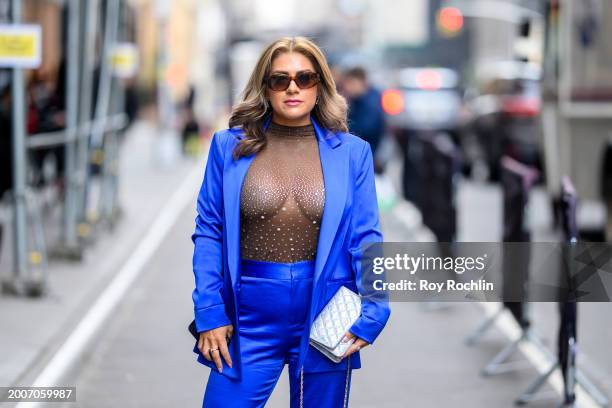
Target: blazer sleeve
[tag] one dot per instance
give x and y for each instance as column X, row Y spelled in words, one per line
column 366, row 229
column 209, row 307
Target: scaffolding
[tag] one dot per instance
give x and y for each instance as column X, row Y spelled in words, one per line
column 90, row 140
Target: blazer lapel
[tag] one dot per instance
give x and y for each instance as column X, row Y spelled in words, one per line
column 334, row 164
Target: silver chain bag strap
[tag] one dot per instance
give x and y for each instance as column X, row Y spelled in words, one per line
column 346, row 385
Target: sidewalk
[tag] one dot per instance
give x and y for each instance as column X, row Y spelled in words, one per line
column 33, row 328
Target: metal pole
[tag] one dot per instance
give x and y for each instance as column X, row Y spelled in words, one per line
column 89, row 34
column 20, row 244
column 72, row 88
column 566, row 24
column 101, row 140
column 110, row 195
column 104, row 83
column 115, row 209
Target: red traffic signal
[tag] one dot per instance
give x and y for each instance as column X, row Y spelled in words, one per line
column 450, row 21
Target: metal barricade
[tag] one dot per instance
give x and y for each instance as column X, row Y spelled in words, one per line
column 567, row 344
column 517, row 180
column 84, row 136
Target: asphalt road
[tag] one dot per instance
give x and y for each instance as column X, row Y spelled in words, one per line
column 143, row 357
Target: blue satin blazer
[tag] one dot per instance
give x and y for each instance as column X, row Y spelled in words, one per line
column 350, row 218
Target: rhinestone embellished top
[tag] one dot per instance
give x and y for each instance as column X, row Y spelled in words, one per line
column 282, row 198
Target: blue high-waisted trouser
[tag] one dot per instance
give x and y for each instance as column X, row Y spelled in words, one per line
column 274, row 301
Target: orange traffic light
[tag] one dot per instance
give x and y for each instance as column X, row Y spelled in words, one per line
column 450, row 21
column 392, row 101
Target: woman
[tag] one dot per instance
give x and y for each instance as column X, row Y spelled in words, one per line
column 288, row 198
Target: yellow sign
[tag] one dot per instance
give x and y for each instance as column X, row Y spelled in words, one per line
column 20, row 45
column 124, row 60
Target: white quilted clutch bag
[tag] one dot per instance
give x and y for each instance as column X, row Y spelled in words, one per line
column 333, row 322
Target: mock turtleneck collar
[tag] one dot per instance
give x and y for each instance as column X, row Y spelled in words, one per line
column 291, row 131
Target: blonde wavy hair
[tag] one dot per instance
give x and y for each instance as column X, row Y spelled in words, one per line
column 251, row 112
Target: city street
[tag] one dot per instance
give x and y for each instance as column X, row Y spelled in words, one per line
column 141, row 355
column 476, row 128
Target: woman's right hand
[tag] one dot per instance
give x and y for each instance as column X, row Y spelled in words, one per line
column 217, row 338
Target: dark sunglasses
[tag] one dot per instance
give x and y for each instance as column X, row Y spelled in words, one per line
column 303, row 79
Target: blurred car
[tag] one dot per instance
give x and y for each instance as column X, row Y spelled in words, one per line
column 421, row 103
column 424, row 99
column 505, row 113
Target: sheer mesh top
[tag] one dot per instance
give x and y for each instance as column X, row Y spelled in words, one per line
column 281, row 203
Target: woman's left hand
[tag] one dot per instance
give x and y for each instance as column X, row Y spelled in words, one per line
column 358, row 344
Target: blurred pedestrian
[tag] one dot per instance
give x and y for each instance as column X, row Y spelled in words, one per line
column 259, row 232
column 366, row 117
column 190, row 133
column 46, row 113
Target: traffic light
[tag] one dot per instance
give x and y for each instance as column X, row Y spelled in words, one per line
column 449, row 21
column 392, row 101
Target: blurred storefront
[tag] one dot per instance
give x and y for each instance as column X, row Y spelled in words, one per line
column 178, row 41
